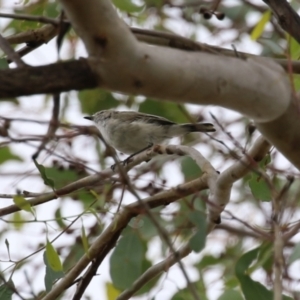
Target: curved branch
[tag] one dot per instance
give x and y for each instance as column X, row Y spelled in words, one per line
column 136, row 68
column 154, row 271
column 257, row 88
column 220, row 189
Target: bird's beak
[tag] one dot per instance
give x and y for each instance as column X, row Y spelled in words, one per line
column 91, row 118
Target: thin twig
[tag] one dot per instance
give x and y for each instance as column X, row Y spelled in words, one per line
column 11, row 53
column 154, row 271
column 25, row 17
column 278, row 239
column 53, row 125
column 24, row 193
column 91, row 272
column 33, row 38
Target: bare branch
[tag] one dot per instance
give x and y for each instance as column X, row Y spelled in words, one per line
column 33, row 38
column 154, row 271
column 221, row 188
column 157, row 200
column 10, row 52
column 53, row 125
column 37, row 36
column 40, row 19
column 75, row 75
column 286, row 16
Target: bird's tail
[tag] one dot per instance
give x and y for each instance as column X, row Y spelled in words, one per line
column 199, row 127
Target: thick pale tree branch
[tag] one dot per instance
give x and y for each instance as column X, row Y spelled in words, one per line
column 256, row 87
column 123, row 64
column 220, row 189
column 223, row 185
column 171, row 40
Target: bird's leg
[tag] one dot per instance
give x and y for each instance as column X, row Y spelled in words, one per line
column 127, row 160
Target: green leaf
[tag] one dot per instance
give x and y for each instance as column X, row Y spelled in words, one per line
column 84, row 241
column 265, row 161
column 5, row 155
column 295, row 254
column 75, row 253
column 252, row 289
column 3, row 64
column 237, row 13
column 231, row 295
column 23, row 204
column 11, row 100
column 270, row 47
column 294, row 48
column 53, row 258
column 231, row 282
column 259, row 188
column 197, row 242
column 245, row 261
column 296, row 79
column 111, row 292
column 147, row 230
column 18, row 220
column 265, row 257
column 61, row 177
column 128, row 255
column 6, row 291
column 127, row 6
column 37, row 8
column 190, row 169
column 101, row 198
column 260, row 26
column 87, row 199
column 47, row 181
column 59, row 220
column 51, row 10
column 97, row 99
column 207, row 261
column 50, row 275
column 185, row 294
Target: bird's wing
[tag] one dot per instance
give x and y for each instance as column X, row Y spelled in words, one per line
column 153, row 119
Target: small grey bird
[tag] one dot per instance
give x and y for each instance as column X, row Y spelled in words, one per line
column 132, row 132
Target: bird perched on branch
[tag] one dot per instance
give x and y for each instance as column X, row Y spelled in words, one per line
column 133, row 132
